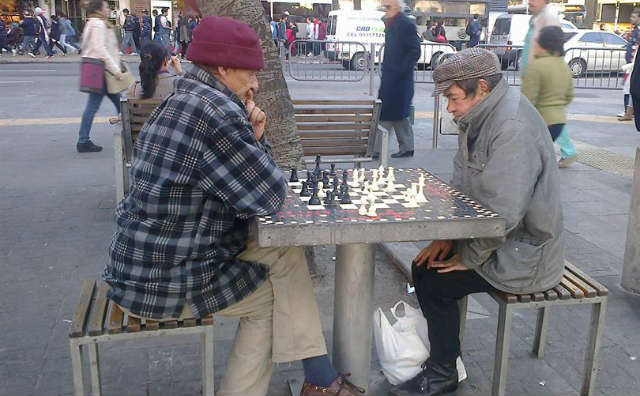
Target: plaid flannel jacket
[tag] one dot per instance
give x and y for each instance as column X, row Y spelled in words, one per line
column 198, row 176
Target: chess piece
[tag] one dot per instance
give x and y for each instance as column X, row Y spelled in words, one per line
column 421, row 198
column 328, row 198
column 325, row 178
column 345, row 198
column 317, row 171
column 294, row 175
column 321, row 193
column 305, row 190
column 390, row 186
column 356, row 177
column 381, row 172
column 372, row 210
column 332, row 200
column 309, row 175
column 391, row 175
column 333, row 170
column 363, row 209
column 345, row 176
column 314, row 200
column 421, row 181
column 363, row 175
column 335, row 191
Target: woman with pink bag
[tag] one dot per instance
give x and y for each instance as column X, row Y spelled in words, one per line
column 99, row 51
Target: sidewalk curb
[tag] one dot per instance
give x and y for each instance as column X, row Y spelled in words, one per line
column 401, row 255
column 18, row 60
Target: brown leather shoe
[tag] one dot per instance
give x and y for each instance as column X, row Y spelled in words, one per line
column 339, row 387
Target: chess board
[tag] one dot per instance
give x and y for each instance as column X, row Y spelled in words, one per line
column 443, row 203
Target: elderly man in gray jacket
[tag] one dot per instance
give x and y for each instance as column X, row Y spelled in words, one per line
column 505, row 160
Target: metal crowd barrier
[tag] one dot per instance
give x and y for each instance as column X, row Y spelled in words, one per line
column 509, row 57
column 596, row 68
column 430, row 54
column 315, row 60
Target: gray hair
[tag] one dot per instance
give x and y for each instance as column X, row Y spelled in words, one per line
column 402, row 4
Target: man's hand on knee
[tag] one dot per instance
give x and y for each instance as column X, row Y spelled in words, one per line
column 437, row 250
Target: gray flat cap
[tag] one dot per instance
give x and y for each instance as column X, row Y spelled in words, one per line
column 470, row 63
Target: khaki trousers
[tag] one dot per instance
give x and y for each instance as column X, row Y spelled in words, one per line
column 279, row 322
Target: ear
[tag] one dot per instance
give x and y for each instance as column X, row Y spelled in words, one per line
column 483, row 87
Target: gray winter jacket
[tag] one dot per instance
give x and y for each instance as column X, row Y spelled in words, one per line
column 506, row 161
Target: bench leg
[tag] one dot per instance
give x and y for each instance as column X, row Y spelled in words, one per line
column 540, row 339
column 94, row 369
column 462, row 306
column 593, row 348
column 207, row 361
column 76, row 367
column 502, row 350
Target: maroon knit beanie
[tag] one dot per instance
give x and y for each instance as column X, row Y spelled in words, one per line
column 225, row 42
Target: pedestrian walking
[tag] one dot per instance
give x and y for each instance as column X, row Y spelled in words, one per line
column 42, row 33
column 156, row 24
column 136, row 30
column 13, row 38
column 158, row 70
column 99, row 42
column 544, row 16
column 163, row 25
column 630, row 54
column 401, row 52
column 634, row 83
column 29, row 30
column 274, row 31
column 54, row 36
column 474, row 30
column 3, row 38
column 548, row 83
column 184, row 34
column 309, row 36
column 440, row 33
column 127, row 41
column 146, row 27
column 68, row 37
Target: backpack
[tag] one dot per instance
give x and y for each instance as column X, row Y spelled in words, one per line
column 157, row 23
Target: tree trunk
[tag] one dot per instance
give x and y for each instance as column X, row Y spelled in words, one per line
column 273, row 97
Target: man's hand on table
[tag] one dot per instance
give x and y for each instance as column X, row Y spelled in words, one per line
column 435, row 254
column 257, row 117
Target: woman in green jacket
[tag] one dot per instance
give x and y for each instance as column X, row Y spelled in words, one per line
column 547, row 82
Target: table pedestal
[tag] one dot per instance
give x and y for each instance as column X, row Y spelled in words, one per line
column 353, row 311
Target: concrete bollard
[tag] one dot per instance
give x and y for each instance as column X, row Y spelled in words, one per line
column 631, row 268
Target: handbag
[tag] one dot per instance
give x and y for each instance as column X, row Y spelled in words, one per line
column 440, row 38
column 114, row 85
column 92, row 75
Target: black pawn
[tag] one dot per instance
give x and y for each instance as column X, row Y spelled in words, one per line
column 346, row 199
column 336, row 185
column 345, row 177
column 332, row 203
column 314, row 200
column 294, row 175
column 305, row 190
column 317, row 171
column 333, row 170
column 309, row 175
column 325, row 179
column 328, row 198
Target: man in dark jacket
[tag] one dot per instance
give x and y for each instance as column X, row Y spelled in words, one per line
column 29, row 30
column 401, row 52
column 634, row 37
column 42, row 27
column 473, row 31
column 129, row 27
column 3, row 37
column 145, row 29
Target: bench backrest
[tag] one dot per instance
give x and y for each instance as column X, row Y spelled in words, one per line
column 134, row 113
column 337, row 127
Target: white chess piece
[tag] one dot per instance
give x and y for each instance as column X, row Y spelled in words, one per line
column 421, row 181
column 421, row 198
column 390, row 186
column 374, row 178
column 365, row 187
column 381, row 172
column 363, row 209
column 321, row 193
column 362, row 175
column 372, row 210
column 356, row 177
column 391, row 176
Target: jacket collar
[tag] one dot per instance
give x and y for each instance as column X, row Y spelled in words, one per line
column 201, row 75
column 472, row 121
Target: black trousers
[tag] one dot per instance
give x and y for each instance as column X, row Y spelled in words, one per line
column 438, row 295
column 636, row 110
column 555, row 130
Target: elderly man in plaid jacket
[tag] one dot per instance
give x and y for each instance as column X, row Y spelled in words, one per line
column 202, row 170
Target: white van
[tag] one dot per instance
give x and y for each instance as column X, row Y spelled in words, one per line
column 511, row 30
column 348, row 28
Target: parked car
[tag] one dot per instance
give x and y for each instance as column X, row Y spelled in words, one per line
column 509, row 32
column 594, row 51
column 351, row 33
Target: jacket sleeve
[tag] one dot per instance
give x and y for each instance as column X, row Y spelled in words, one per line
column 412, row 48
column 531, row 84
column 570, row 90
column 97, row 40
column 507, row 193
column 238, row 169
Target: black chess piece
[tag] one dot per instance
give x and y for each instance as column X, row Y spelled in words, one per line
column 317, row 170
column 325, row 178
column 294, row 175
column 331, row 202
column 309, row 174
column 314, row 200
column 328, row 198
column 333, row 170
column 336, row 186
column 305, row 190
column 346, row 198
column 345, row 176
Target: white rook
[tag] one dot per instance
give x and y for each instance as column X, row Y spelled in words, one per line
column 631, row 269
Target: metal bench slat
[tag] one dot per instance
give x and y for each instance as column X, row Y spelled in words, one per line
column 116, row 318
column 332, row 126
column 309, row 102
column 80, row 316
column 602, row 290
column 98, row 311
column 332, row 118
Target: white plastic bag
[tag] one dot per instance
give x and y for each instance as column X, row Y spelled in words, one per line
column 403, row 347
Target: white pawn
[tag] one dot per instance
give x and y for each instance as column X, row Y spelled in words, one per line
column 391, row 176
column 374, row 178
column 363, row 209
column 421, row 181
column 372, row 210
column 356, row 177
column 381, row 172
column 321, row 193
column 421, row 198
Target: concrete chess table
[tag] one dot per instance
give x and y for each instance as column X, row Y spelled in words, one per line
column 447, row 214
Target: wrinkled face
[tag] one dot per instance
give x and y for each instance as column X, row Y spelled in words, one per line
column 391, row 8
column 243, row 83
column 459, row 103
column 535, row 6
column 634, row 19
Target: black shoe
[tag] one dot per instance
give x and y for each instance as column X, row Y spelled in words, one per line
column 435, row 379
column 88, row 147
column 402, row 154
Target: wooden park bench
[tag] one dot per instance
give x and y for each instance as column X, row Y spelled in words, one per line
column 340, row 131
column 98, row 320
column 576, row 287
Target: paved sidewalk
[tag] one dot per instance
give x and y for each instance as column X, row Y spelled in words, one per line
column 56, row 211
